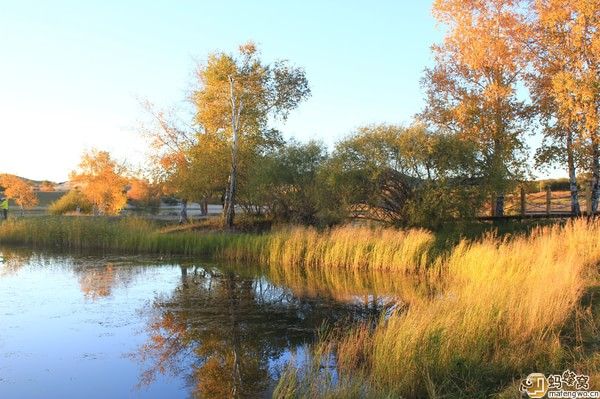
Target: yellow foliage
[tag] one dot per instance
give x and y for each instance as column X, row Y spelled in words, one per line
column 18, row 190
column 102, row 181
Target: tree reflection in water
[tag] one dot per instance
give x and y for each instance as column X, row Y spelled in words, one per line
column 226, row 333
column 97, row 282
column 12, row 261
column 99, row 276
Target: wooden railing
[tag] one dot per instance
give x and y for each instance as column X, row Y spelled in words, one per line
column 544, row 204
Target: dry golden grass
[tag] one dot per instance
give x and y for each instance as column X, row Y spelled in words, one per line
column 501, row 315
column 356, row 248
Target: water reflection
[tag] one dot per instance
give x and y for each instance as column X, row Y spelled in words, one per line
column 354, row 285
column 98, row 277
column 12, row 261
column 226, row 333
column 218, row 331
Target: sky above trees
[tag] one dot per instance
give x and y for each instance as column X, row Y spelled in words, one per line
column 72, row 73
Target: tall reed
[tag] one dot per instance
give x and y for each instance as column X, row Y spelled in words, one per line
column 501, row 315
column 130, row 235
column 356, row 248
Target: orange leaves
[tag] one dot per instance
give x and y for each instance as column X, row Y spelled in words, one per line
column 139, row 190
column 18, row 190
column 568, row 58
column 102, row 181
column 472, row 88
column 483, row 34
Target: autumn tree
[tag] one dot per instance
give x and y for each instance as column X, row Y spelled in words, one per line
column 172, row 141
column 142, row 193
column 237, row 95
column 19, row 191
column 102, row 181
column 472, row 89
column 562, row 142
column 567, row 79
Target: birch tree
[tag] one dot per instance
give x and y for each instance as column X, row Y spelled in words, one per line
column 562, row 141
column 238, row 95
column 472, row 89
column 569, row 37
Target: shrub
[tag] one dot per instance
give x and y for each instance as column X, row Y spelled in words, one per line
column 70, row 202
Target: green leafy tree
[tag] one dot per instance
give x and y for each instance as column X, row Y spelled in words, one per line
column 237, row 95
column 288, row 184
column 405, row 175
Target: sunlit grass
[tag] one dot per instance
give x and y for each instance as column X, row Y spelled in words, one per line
column 356, row 248
column 351, row 248
column 131, row 235
column 502, row 314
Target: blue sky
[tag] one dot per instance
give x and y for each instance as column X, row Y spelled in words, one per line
column 71, row 71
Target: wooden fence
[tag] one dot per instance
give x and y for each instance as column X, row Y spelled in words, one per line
column 544, row 204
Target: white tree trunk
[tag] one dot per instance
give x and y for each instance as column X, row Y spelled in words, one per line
column 236, row 110
column 575, row 208
column 595, row 174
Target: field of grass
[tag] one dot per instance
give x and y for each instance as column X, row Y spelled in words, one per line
column 479, row 313
column 359, row 248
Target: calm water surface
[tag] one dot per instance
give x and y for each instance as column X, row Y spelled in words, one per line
column 127, row 327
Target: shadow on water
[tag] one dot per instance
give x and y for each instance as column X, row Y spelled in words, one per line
column 222, row 331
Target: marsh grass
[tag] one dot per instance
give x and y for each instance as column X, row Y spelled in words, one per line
column 127, row 235
column 505, row 310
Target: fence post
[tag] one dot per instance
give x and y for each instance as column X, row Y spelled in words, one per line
column 548, row 199
column 523, row 210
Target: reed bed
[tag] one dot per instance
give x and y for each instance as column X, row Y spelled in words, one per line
column 351, row 248
column 356, row 248
column 502, row 314
column 128, row 235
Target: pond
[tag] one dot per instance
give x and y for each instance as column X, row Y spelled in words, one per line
column 133, row 327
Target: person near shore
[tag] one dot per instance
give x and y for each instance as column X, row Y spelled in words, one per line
column 4, row 207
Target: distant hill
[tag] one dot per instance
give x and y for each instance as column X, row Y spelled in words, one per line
column 37, row 184
column 45, row 198
column 29, row 181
